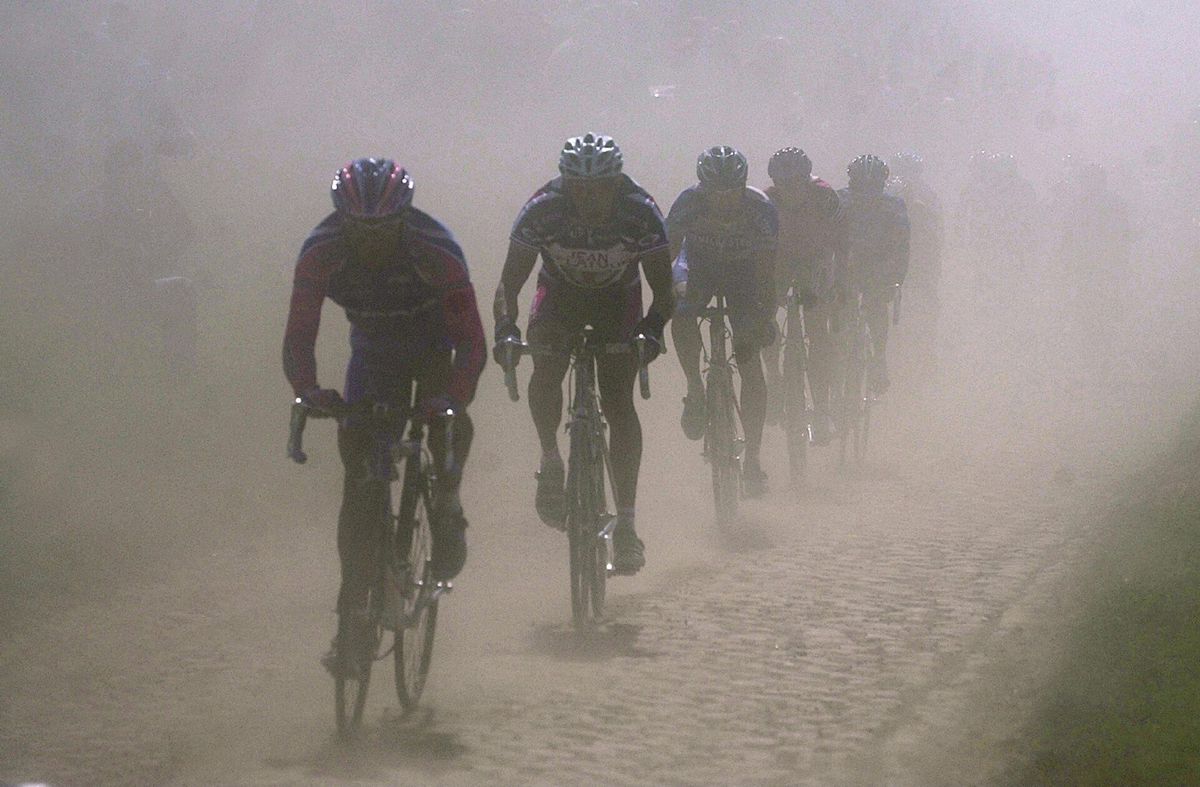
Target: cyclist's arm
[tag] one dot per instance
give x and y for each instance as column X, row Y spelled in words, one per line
column 304, row 317
column 657, row 267
column 903, row 234
column 517, row 267
column 465, row 331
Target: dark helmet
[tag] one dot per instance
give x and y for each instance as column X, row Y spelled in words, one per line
column 722, row 167
column 868, row 173
column 789, row 164
column 908, row 165
column 369, row 188
column 590, row 156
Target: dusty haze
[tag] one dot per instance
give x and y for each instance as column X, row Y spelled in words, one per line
column 167, row 576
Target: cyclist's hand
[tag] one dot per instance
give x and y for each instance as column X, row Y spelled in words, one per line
column 325, row 399
column 437, row 406
column 505, row 331
column 651, row 326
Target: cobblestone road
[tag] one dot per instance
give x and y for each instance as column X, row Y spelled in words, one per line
column 820, row 642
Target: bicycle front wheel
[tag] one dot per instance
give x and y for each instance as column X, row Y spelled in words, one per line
column 586, row 602
column 414, row 641
column 356, row 649
column 796, row 412
column 722, row 449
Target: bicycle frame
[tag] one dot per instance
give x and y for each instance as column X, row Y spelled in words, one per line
column 589, row 524
column 722, row 444
column 797, row 399
column 401, row 596
column 855, row 404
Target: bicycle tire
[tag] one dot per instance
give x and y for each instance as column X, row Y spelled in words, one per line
column 579, row 493
column 795, row 404
column 726, row 473
column 350, row 695
column 413, row 648
column 599, row 558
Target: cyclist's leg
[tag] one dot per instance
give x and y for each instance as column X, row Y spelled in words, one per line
column 821, row 359
column 364, row 495
column 875, row 309
column 616, row 375
column 692, row 293
column 744, row 322
column 449, row 523
column 549, row 328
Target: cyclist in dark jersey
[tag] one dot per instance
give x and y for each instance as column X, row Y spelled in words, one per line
column 876, row 237
column 723, row 237
column 592, row 226
column 403, row 282
column 809, row 224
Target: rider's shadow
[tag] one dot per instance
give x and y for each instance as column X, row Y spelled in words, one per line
column 399, row 741
column 601, row 642
column 743, row 536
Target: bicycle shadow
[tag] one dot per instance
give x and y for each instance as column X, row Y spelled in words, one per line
column 399, row 741
column 743, row 536
column 564, row 642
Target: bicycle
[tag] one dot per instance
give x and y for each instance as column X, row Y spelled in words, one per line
column 402, row 596
column 797, row 414
column 853, row 393
column 723, row 446
column 589, row 524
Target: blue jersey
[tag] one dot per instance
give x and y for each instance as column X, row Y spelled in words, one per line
column 737, row 244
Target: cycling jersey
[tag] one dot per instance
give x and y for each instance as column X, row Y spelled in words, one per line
column 730, row 256
column 925, row 216
column 590, row 257
column 590, row 275
column 419, row 304
column 876, row 236
column 808, row 232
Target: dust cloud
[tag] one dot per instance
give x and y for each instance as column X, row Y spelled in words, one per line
column 167, row 576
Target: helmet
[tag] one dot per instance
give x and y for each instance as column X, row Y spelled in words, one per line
column 868, row 172
column 1093, row 177
column 371, row 188
column 1004, row 164
column 908, row 165
column 789, row 164
column 590, row 156
column 722, row 167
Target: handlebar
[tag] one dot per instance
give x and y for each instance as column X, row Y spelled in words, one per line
column 513, row 349
column 380, row 412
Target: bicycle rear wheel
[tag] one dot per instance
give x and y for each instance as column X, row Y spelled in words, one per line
column 414, row 641
column 722, row 448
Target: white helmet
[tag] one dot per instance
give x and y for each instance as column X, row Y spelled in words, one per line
column 590, row 156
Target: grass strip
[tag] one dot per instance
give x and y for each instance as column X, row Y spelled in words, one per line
column 1123, row 706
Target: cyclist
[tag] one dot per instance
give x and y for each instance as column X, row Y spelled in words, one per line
column 809, row 221
column 876, row 237
column 592, row 226
column 403, row 282
column 925, row 215
column 925, row 271
column 723, row 238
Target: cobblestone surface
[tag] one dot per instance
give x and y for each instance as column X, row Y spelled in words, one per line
column 821, row 641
